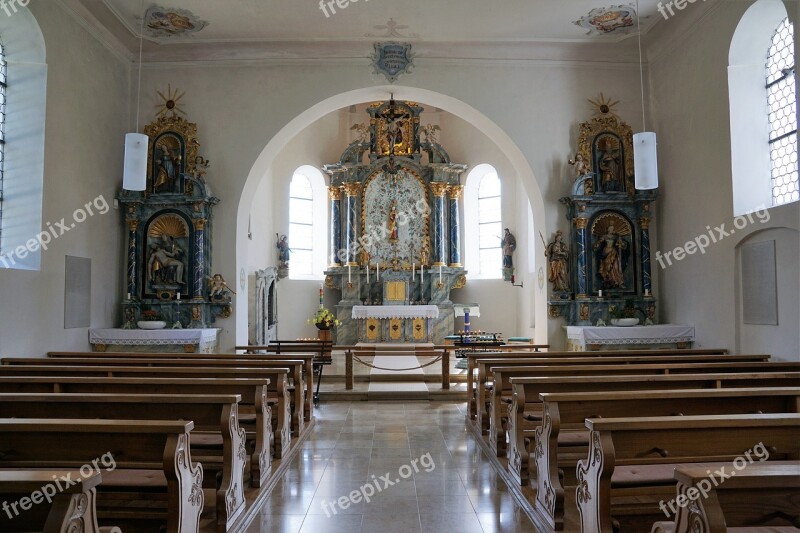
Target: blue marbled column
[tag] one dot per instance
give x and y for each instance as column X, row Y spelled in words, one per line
column 583, row 256
column 199, row 258
column 455, row 227
column 439, row 235
column 647, row 284
column 351, row 191
column 132, row 263
column 334, row 193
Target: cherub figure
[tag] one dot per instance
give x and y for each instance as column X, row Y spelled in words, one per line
column 200, row 168
column 363, row 132
column 581, row 166
column 218, row 286
column 431, row 133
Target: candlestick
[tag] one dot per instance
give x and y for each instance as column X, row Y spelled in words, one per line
column 367, row 273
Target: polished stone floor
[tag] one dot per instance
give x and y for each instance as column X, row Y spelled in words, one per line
column 440, row 481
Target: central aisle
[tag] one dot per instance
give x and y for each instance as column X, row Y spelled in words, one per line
column 454, row 489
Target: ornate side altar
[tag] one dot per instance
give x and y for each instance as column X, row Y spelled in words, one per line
column 607, row 264
column 582, row 338
column 168, row 233
column 395, row 230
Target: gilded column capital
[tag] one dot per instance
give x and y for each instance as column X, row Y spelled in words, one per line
column 199, row 223
column 456, row 191
column 439, row 189
column 644, row 222
column 581, row 222
column 351, row 188
column 133, row 224
column 334, row 192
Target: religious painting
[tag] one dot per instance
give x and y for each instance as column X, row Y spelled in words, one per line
column 605, row 20
column 167, row 256
column 612, row 249
column 395, row 218
column 169, row 22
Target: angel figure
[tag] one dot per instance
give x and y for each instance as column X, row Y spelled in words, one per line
column 363, row 133
column 200, row 168
column 431, row 135
column 581, row 166
column 218, row 286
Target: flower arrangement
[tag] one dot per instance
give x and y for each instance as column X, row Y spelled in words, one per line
column 151, row 314
column 629, row 311
column 324, row 319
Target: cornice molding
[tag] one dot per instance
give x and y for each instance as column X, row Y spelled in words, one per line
column 96, row 29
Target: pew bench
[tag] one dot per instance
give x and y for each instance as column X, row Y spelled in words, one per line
column 630, row 465
column 501, row 394
column 148, row 456
column 253, row 392
column 564, row 414
column 215, row 415
column 322, row 351
column 525, row 411
column 51, row 510
column 473, row 357
column 764, row 497
column 284, row 415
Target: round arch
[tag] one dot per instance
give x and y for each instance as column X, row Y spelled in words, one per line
column 370, row 94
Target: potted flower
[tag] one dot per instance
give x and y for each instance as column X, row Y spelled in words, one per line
column 324, row 319
column 151, row 319
column 625, row 316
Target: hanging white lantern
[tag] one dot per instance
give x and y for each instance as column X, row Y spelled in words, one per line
column 134, row 177
column 645, row 160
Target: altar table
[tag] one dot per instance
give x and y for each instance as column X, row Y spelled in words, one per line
column 593, row 338
column 154, row 340
column 395, row 323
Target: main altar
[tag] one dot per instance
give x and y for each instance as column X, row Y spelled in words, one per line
column 395, row 236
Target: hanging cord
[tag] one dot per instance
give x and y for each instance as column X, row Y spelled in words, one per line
column 641, row 64
column 139, row 88
column 356, row 358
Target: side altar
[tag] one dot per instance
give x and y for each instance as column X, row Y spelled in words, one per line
column 395, row 235
column 168, row 229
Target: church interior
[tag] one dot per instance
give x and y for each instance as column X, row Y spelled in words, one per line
column 412, row 266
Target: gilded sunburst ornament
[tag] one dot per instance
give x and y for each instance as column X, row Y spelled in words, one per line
column 170, row 102
column 604, row 106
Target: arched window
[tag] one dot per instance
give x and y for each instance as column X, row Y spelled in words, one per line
column 301, row 227
column 782, row 115
column 763, row 110
column 490, row 226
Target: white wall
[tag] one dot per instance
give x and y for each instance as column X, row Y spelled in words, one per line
column 87, row 115
column 689, row 78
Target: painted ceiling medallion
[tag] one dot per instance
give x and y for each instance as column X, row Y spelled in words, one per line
column 605, row 20
column 170, row 22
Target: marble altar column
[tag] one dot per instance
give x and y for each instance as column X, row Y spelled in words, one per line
column 351, row 243
column 455, row 227
column 644, row 223
column 439, row 236
column 583, row 256
column 335, row 196
column 199, row 258
column 133, row 266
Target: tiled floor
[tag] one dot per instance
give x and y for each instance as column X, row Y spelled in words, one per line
column 452, row 489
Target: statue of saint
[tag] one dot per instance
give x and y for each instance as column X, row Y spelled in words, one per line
column 162, row 258
column 394, row 133
column 612, row 252
column 283, row 251
column 509, row 244
column 167, row 172
column 558, row 257
column 609, row 165
column 393, row 234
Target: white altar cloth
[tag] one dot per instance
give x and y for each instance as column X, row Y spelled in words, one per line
column 395, row 311
column 611, row 335
column 206, row 339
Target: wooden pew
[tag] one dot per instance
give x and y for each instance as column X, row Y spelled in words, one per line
column 754, row 500
column 298, row 388
column 631, row 461
column 500, row 397
column 485, row 379
column 218, row 415
column 147, row 454
column 568, row 412
column 308, row 373
column 527, row 391
column 56, row 511
column 252, row 391
column 473, row 357
column 287, row 413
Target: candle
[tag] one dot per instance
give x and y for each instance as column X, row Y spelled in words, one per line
column 349, row 278
column 378, row 272
column 368, row 273
column 413, row 271
column 129, row 296
column 440, row 273
column 179, row 296
column 647, row 292
column 600, row 293
column 421, row 274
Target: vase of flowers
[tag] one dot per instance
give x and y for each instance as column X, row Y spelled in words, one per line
column 323, row 319
column 625, row 316
column 151, row 320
